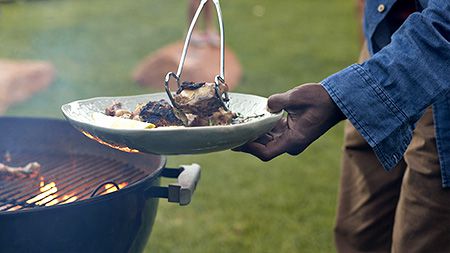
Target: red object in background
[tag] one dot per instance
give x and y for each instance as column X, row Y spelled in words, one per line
column 203, row 58
column 202, row 64
column 19, row 80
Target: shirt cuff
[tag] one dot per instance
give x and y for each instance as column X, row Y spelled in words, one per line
column 372, row 112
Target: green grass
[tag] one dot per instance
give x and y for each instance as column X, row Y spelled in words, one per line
column 242, row 204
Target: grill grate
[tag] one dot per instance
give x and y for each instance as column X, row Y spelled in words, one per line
column 63, row 178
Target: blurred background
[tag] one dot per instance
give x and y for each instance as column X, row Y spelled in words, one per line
column 86, row 48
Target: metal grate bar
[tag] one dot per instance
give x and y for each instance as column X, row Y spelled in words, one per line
column 118, row 178
column 87, row 184
column 136, row 176
column 15, row 186
column 24, row 157
column 73, row 175
column 30, row 189
column 31, row 192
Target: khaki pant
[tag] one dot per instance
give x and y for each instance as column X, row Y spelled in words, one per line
column 405, row 210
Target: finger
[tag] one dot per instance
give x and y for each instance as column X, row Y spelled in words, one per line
column 263, row 139
column 280, row 127
column 278, row 130
column 269, row 151
column 278, row 102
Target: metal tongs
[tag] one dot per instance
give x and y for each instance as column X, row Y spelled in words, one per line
column 219, row 79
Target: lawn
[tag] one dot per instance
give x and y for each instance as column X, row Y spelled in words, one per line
column 242, row 204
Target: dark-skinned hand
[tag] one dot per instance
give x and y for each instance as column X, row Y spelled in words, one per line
column 310, row 113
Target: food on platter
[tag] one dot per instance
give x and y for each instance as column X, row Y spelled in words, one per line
column 119, row 122
column 197, row 104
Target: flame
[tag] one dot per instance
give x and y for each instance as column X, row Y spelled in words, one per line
column 14, row 208
column 121, row 148
column 5, row 207
column 52, row 203
column 69, row 198
column 47, row 191
column 49, row 195
column 111, row 188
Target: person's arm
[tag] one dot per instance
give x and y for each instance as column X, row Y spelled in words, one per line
column 383, row 98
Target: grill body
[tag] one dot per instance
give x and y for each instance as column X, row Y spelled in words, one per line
column 117, row 222
column 121, row 222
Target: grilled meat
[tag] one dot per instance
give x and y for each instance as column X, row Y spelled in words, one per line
column 198, row 99
column 117, row 111
column 222, row 117
column 200, row 104
column 112, row 109
column 189, row 86
column 160, row 113
column 31, row 170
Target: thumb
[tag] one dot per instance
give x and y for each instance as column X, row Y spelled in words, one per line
column 278, row 102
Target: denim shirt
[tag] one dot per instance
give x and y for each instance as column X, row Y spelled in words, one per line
column 386, row 95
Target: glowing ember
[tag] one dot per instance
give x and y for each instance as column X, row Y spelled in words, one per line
column 5, row 207
column 68, row 199
column 46, row 190
column 111, row 188
column 52, row 203
column 121, row 148
column 15, row 208
column 46, row 199
column 49, row 196
column 47, row 187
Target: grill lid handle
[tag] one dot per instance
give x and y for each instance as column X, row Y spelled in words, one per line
column 182, row 191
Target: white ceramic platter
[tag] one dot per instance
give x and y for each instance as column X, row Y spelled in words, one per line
column 172, row 140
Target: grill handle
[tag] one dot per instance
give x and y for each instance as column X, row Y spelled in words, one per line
column 182, row 191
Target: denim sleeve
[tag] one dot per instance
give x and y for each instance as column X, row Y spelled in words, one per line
column 385, row 96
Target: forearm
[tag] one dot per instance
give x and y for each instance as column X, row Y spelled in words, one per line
column 414, row 69
column 386, row 95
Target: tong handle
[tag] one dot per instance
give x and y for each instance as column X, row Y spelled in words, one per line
column 189, row 35
column 220, row 78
